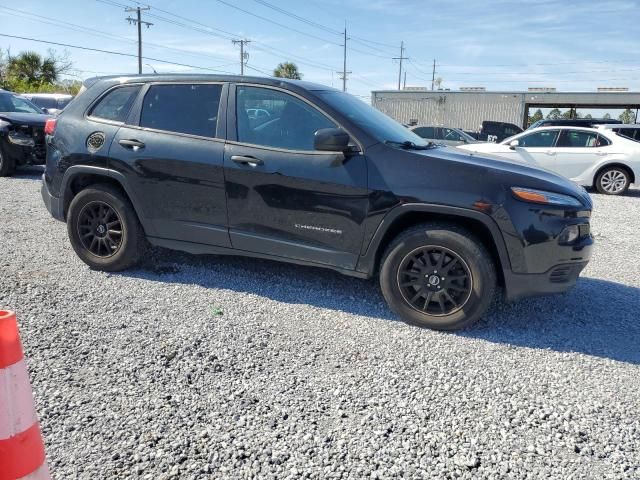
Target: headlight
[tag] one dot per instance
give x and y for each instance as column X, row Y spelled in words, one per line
column 544, row 197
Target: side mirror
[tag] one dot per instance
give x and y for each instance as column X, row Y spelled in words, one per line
column 331, row 140
column 513, row 144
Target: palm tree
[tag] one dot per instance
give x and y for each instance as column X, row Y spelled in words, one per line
column 33, row 69
column 287, row 70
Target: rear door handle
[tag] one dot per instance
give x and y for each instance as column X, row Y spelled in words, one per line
column 132, row 144
column 247, row 160
column 550, row 152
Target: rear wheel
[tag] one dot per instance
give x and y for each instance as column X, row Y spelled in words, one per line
column 438, row 276
column 7, row 165
column 104, row 230
column 613, row 181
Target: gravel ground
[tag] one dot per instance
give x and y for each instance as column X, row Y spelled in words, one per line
column 194, row 367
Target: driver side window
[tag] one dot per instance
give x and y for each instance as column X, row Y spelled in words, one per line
column 545, row 138
column 273, row 118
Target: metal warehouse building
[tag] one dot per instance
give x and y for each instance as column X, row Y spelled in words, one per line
column 468, row 109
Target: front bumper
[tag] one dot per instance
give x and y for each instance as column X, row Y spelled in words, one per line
column 53, row 203
column 557, row 279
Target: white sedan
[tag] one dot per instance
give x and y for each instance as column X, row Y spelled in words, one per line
column 590, row 157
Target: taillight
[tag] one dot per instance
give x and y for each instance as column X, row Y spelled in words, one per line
column 50, row 126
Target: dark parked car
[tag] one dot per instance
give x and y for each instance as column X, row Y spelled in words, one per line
column 21, row 133
column 49, row 102
column 497, row 131
column 329, row 181
column 575, row 122
column 443, row 135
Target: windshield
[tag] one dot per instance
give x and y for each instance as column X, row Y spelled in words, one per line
column 376, row 123
column 14, row 104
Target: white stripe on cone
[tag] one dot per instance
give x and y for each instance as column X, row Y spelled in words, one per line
column 41, row 473
column 17, row 413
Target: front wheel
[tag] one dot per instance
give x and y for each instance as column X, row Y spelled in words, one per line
column 7, row 166
column 438, row 276
column 613, row 181
column 104, row 230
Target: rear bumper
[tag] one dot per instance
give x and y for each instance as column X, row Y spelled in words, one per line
column 557, row 279
column 53, row 203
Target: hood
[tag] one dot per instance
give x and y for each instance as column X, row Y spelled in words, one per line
column 525, row 174
column 32, row 119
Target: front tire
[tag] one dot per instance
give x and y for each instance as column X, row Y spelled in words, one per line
column 613, row 181
column 7, row 165
column 104, row 229
column 438, row 276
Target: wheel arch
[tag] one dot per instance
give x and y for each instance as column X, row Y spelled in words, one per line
column 77, row 178
column 405, row 216
column 617, row 164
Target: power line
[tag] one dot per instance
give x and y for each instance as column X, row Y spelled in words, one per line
column 232, row 36
column 100, row 33
column 298, row 17
column 277, row 23
column 111, row 52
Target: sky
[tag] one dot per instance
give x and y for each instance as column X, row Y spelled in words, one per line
column 572, row 45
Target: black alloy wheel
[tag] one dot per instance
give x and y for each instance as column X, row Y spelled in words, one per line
column 104, row 229
column 435, row 280
column 100, row 229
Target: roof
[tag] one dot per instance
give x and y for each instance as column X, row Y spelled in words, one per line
column 198, row 77
column 47, row 95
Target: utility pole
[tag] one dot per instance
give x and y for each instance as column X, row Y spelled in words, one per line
column 344, row 73
column 433, row 75
column 243, row 55
column 401, row 57
column 404, row 83
column 138, row 21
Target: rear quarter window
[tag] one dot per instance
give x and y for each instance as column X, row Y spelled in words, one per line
column 115, row 105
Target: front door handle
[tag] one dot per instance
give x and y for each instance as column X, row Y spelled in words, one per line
column 550, row 152
column 134, row 145
column 247, row 160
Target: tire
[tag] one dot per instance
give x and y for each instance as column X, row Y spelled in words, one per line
column 469, row 282
column 7, row 165
column 89, row 218
column 613, row 181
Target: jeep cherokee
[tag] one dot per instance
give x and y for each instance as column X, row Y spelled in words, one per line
column 322, row 179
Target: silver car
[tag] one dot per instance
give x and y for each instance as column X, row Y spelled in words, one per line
column 443, row 135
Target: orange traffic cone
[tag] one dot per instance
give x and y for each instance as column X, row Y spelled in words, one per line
column 21, row 448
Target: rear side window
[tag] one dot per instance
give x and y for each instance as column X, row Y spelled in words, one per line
column 630, row 133
column 578, row 139
column 183, row 108
column 116, row 104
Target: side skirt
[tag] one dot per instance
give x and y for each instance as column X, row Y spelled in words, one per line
column 203, row 249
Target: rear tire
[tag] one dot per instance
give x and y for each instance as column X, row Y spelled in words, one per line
column 104, row 229
column 438, row 276
column 613, row 181
column 7, row 165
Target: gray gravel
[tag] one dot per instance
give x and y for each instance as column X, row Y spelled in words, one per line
column 195, row 367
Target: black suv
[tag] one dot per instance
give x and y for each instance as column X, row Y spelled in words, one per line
column 321, row 179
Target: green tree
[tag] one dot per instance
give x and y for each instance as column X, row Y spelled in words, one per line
column 554, row 114
column 607, row 116
column 287, row 70
column 588, row 116
column 30, row 71
column 628, row 116
column 537, row 115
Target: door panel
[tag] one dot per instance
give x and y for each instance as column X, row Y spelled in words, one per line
column 577, row 151
column 310, row 206
column 179, row 181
